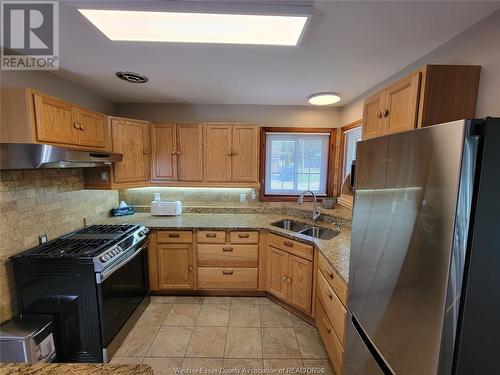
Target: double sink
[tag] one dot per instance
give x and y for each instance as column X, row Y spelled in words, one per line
column 306, row 229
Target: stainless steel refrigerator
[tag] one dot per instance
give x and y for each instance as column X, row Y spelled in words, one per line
column 424, row 278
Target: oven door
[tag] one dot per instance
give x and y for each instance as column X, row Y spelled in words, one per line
column 120, row 290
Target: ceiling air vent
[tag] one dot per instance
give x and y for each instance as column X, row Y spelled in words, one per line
column 132, row 77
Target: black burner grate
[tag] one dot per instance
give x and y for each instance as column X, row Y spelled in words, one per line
column 64, row 247
column 107, row 229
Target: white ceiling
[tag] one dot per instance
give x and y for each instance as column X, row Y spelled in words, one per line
column 348, row 48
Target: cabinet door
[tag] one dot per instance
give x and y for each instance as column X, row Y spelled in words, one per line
column 175, row 267
column 164, row 152
column 190, row 152
column 55, row 121
column 93, row 129
column 373, row 121
column 401, row 103
column 131, row 138
column 217, row 154
column 300, row 283
column 277, row 268
column 245, row 159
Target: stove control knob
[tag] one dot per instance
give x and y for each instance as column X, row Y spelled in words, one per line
column 111, row 254
column 105, row 258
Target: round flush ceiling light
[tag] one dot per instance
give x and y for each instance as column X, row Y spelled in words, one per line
column 324, row 98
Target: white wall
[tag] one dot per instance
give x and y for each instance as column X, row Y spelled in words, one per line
column 478, row 45
column 51, row 84
column 259, row 114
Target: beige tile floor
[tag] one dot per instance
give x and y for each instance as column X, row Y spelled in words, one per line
column 203, row 334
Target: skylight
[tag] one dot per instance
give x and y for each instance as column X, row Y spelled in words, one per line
column 178, row 27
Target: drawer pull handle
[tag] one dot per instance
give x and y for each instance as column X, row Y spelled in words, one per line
column 330, row 274
column 289, row 280
column 227, row 272
column 327, row 326
column 288, row 243
column 211, row 235
column 330, row 295
column 243, row 235
column 228, row 249
column 285, row 278
column 174, row 235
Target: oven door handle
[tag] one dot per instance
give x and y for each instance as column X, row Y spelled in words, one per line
column 100, row 277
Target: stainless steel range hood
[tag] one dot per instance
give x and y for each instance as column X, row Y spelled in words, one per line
column 33, row 156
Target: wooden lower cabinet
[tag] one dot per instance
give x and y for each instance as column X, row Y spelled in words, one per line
column 228, row 278
column 175, row 266
column 289, row 276
column 333, row 346
column 331, row 313
column 277, row 269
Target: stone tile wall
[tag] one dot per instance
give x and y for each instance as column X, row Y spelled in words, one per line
column 33, row 202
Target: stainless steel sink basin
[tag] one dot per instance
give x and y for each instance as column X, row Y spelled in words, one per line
column 292, row 225
column 306, row 229
column 321, row 233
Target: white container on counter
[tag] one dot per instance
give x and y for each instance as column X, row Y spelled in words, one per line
column 166, row 208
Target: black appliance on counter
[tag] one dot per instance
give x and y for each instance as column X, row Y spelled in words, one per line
column 95, row 279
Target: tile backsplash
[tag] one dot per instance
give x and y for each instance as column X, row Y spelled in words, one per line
column 188, row 196
column 33, row 202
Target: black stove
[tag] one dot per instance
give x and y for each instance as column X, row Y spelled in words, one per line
column 101, row 267
column 105, row 244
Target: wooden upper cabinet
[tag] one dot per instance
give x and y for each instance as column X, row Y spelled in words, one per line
column 131, row 138
column 245, row 159
column 217, row 152
column 432, row 95
column 400, row 105
column 164, row 152
column 93, row 129
column 373, row 123
column 190, row 152
column 55, row 121
column 30, row 116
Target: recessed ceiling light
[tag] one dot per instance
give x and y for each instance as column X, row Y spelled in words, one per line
column 182, row 27
column 324, row 98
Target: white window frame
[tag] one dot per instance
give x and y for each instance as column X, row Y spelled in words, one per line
column 270, row 136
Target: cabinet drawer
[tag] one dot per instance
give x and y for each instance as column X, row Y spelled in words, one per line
column 243, row 237
column 338, row 285
column 334, row 309
column 211, row 236
column 293, row 247
column 228, row 255
column 175, row 236
column 332, row 344
column 227, row 278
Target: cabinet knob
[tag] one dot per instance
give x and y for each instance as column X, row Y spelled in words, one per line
column 289, row 280
column 330, row 295
column 190, row 268
column 330, row 274
column 77, row 125
column 327, row 326
column 385, row 113
column 179, row 152
column 285, row 278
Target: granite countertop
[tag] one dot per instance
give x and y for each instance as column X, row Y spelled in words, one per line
column 335, row 250
column 73, row 369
